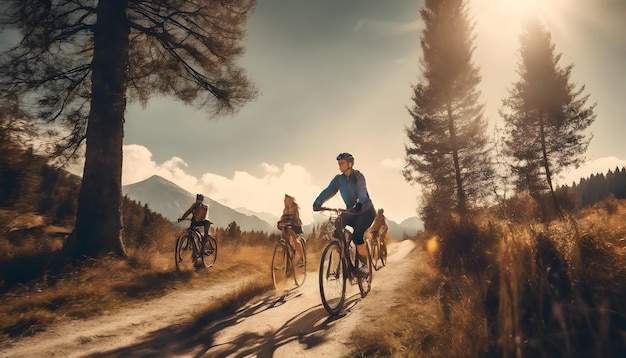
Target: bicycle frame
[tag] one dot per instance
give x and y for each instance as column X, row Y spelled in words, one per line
column 290, row 268
column 375, row 247
column 194, row 236
column 332, row 292
column 284, row 238
column 344, row 242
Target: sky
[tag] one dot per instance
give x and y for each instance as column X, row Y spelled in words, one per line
column 337, row 76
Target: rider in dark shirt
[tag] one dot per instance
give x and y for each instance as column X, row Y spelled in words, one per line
column 199, row 212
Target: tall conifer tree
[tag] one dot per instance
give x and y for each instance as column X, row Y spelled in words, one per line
column 545, row 117
column 448, row 153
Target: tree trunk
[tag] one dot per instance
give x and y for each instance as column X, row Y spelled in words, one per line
column 98, row 222
column 460, row 192
column 546, row 165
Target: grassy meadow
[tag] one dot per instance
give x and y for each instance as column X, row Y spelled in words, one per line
column 514, row 289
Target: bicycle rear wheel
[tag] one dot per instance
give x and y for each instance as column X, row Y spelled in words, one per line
column 184, row 254
column 332, row 278
column 299, row 264
column 280, row 265
column 375, row 253
column 209, row 251
column 383, row 254
column 365, row 283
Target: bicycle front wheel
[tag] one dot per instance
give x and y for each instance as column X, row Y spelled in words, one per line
column 209, row 251
column 365, row 283
column 280, row 266
column 332, row 278
column 184, row 254
column 299, row 264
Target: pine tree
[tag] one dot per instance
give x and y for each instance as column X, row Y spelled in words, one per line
column 448, row 154
column 233, row 231
column 79, row 61
column 545, row 117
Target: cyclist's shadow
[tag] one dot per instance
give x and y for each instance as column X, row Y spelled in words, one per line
column 309, row 327
column 198, row 337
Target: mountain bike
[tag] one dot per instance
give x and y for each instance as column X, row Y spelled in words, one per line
column 284, row 262
column 379, row 250
column 337, row 264
column 191, row 252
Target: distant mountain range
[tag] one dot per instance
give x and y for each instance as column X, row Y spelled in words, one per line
column 171, row 201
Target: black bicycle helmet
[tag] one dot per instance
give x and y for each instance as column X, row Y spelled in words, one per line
column 346, row 156
column 199, row 197
column 381, row 211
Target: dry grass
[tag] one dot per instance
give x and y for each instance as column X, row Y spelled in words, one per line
column 437, row 319
column 531, row 290
column 102, row 285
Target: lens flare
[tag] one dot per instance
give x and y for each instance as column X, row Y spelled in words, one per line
column 432, row 245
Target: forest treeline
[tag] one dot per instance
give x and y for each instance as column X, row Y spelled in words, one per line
column 595, row 188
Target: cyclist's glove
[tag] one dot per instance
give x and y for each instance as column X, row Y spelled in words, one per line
column 356, row 208
column 317, row 206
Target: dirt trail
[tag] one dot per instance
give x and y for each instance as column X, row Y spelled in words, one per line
column 287, row 324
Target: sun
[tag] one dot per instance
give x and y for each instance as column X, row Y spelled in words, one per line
column 499, row 23
column 518, row 11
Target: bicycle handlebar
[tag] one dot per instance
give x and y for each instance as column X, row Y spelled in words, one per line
column 191, row 222
column 324, row 208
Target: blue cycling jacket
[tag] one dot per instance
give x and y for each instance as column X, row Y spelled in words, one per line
column 351, row 188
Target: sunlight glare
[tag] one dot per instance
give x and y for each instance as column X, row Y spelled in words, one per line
column 548, row 11
column 432, row 245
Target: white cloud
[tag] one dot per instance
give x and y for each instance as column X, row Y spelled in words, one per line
column 270, row 168
column 264, row 193
column 137, row 164
column 397, row 163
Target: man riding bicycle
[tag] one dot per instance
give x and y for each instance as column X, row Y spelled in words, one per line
column 199, row 212
column 353, row 190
